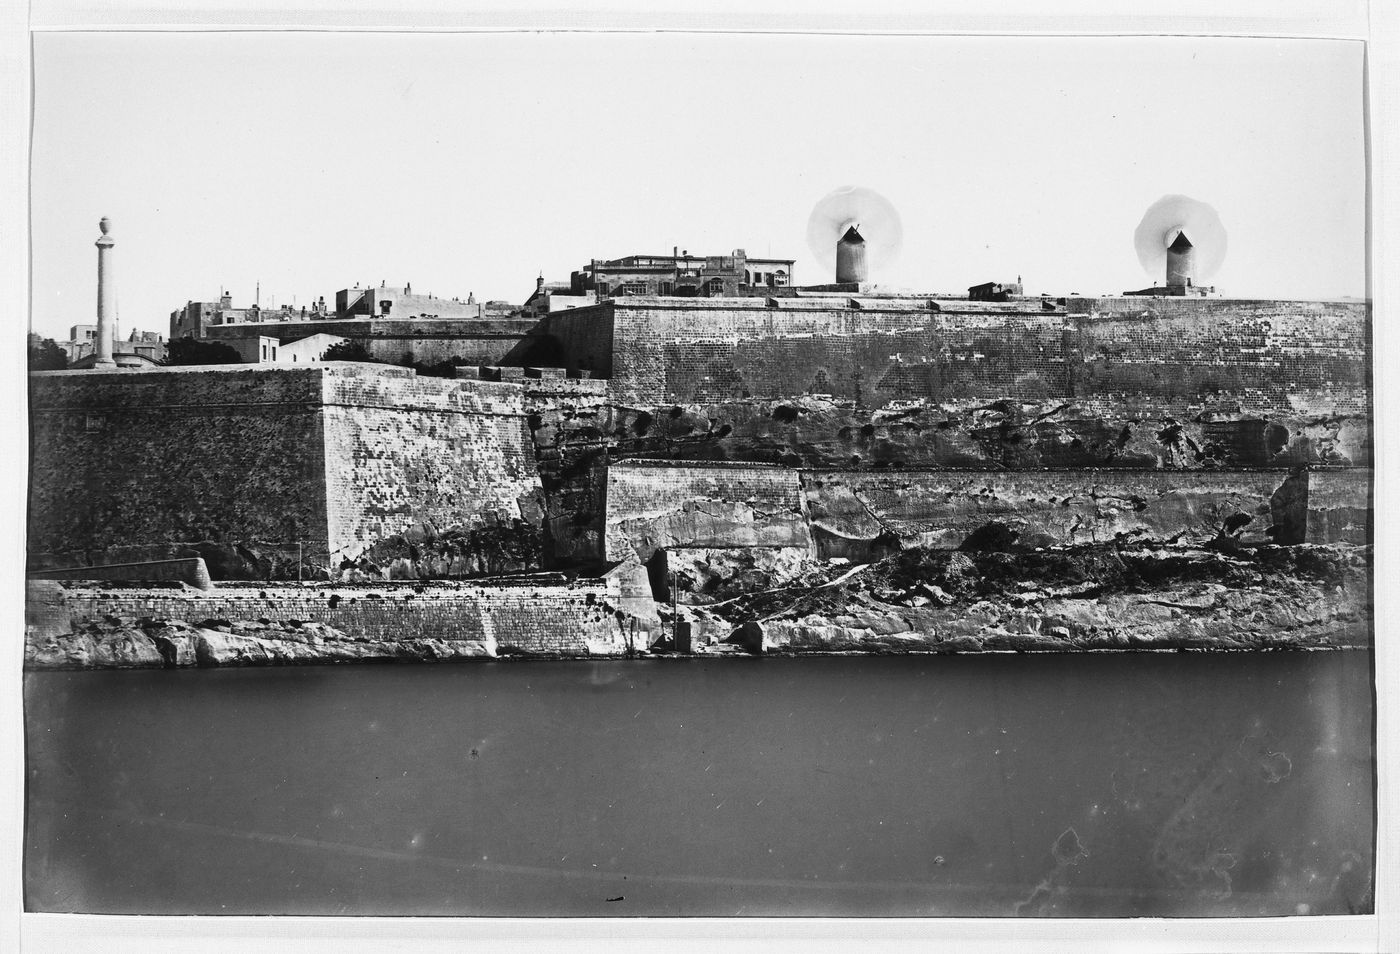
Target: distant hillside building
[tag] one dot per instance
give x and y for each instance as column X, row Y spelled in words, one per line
column 681, row 274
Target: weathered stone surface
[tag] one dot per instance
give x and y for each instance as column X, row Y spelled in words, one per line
column 1037, row 509
column 275, row 473
column 708, row 574
column 653, row 507
column 543, row 615
column 116, row 643
column 1273, row 356
column 1070, row 600
column 817, row 431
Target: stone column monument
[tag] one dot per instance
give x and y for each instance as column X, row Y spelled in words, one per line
column 106, row 297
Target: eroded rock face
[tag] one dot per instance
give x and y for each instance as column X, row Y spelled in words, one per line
column 1062, row 600
column 708, row 574
column 814, row 431
column 423, row 552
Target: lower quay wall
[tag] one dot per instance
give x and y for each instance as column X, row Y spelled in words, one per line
column 851, row 513
column 866, row 515
column 653, row 507
column 576, row 619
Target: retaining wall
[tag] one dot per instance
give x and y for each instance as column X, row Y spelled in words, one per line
column 571, row 619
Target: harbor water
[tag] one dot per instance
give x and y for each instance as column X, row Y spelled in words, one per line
column 1121, row 784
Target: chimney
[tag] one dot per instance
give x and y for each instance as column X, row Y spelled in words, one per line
column 106, row 296
column 1181, row 261
column 850, row 257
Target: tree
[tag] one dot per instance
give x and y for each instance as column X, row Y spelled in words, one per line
column 186, row 351
column 47, row 356
column 349, row 350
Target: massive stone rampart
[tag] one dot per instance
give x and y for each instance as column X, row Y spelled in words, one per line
column 1264, row 356
column 127, row 465
column 261, row 470
column 403, row 451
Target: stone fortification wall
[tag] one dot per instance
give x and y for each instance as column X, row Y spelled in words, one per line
column 259, row 469
column 481, row 341
column 1339, row 506
column 867, row 514
column 652, row 507
column 1263, row 357
column 569, row 420
column 1270, row 356
column 146, row 465
column 851, row 513
column 526, row 617
column 405, row 452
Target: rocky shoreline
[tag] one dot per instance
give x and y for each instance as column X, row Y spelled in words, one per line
column 917, row 601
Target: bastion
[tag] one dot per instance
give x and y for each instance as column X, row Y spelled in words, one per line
column 281, row 472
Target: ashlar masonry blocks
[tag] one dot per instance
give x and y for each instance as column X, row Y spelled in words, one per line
column 325, row 460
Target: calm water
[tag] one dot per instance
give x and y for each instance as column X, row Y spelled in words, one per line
column 1120, row 785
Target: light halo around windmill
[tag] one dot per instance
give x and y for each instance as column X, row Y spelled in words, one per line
column 852, row 230
column 1180, row 240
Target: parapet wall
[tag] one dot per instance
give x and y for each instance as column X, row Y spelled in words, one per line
column 528, row 618
column 1270, row 356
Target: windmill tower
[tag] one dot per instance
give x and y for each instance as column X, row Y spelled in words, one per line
column 853, row 230
column 1183, row 241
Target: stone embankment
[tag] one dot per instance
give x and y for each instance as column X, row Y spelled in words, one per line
column 148, row 643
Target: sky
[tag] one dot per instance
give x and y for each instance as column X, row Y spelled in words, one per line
column 303, row 163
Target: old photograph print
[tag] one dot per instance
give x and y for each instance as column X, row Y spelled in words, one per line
column 699, row 475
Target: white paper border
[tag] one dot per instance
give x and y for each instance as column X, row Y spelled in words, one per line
column 1378, row 23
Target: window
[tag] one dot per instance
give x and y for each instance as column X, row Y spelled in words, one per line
column 264, row 352
column 633, row 288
